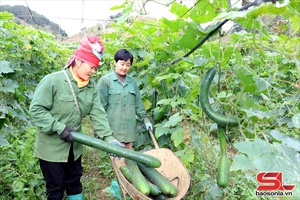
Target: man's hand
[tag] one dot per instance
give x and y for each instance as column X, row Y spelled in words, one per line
column 66, row 135
column 117, row 143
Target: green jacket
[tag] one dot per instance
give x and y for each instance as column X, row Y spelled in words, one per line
column 53, row 108
column 123, row 105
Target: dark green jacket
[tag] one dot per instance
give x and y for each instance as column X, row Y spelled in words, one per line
column 123, row 105
column 53, row 107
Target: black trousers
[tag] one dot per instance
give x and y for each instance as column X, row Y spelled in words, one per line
column 61, row 177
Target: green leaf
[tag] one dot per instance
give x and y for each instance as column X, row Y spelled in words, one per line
column 191, row 36
column 123, row 18
column 263, row 9
column 189, row 40
column 200, row 61
column 3, row 141
column 186, row 156
column 246, row 79
column 241, row 162
column 173, row 120
column 147, row 104
column 272, row 157
column 196, row 138
column 232, row 15
column 213, row 192
column 119, row 6
column 224, row 95
column 168, row 76
column 179, row 9
column 3, row 110
column 160, row 130
column 6, row 15
column 201, row 186
column 211, row 51
column 145, row 62
column 268, row 9
column 295, row 22
column 286, row 140
column 178, row 136
column 248, row 102
column 183, row 89
column 128, row 9
column 164, row 102
column 296, row 120
column 260, row 114
column 174, row 25
column 17, row 186
column 261, row 85
column 203, row 12
column 5, row 68
column 8, row 85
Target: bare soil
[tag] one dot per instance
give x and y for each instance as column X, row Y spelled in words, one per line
column 96, row 184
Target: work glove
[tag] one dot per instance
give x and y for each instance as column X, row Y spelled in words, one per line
column 117, row 143
column 148, row 125
column 96, row 135
column 66, row 135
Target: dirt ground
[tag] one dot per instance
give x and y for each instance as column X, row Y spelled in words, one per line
column 96, row 184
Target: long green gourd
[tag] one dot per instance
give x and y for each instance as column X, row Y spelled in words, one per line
column 223, row 169
column 154, row 190
column 221, row 120
column 138, row 179
column 139, row 157
column 164, row 185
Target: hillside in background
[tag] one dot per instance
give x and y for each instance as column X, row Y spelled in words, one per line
column 29, row 17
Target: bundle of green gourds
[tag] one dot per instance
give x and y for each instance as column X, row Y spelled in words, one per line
column 148, row 180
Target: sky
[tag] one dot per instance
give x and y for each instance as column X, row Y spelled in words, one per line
column 73, row 15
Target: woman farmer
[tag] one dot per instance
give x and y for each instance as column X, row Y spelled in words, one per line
column 120, row 97
column 60, row 102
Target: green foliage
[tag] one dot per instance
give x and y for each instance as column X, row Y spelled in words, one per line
column 212, row 9
column 27, row 55
column 280, row 156
column 260, row 155
column 258, row 70
column 20, row 172
column 3, row 141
